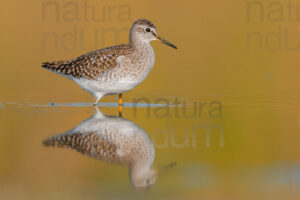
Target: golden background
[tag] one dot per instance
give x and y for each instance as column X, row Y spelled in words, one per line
column 254, row 77
column 212, row 58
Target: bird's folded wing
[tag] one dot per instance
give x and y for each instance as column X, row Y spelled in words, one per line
column 91, row 65
column 89, row 144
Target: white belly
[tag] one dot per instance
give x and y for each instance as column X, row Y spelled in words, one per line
column 105, row 88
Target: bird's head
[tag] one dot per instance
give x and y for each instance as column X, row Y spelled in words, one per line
column 145, row 31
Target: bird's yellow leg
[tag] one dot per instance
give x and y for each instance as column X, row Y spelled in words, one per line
column 120, row 105
column 120, row 100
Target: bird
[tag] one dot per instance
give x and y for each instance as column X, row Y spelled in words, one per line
column 113, row 70
column 113, row 140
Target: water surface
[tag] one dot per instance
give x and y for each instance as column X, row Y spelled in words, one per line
column 224, row 150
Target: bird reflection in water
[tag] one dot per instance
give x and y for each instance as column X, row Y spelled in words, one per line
column 115, row 140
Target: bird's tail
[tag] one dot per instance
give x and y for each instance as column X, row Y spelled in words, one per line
column 57, row 66
column 50, row 65
column 59, row 141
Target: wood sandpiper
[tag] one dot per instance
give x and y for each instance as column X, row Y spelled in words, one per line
column 115, row 140
column 113, row 70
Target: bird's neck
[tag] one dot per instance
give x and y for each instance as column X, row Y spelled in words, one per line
column 138, row 44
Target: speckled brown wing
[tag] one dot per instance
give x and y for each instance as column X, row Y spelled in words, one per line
column 89, row 144
column 90, row 65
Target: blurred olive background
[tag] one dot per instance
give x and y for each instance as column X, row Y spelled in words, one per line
column 244, row 54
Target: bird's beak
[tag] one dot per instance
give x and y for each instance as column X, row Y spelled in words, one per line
column 165, row 41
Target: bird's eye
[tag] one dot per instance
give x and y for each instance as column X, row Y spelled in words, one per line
column 147, row 29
